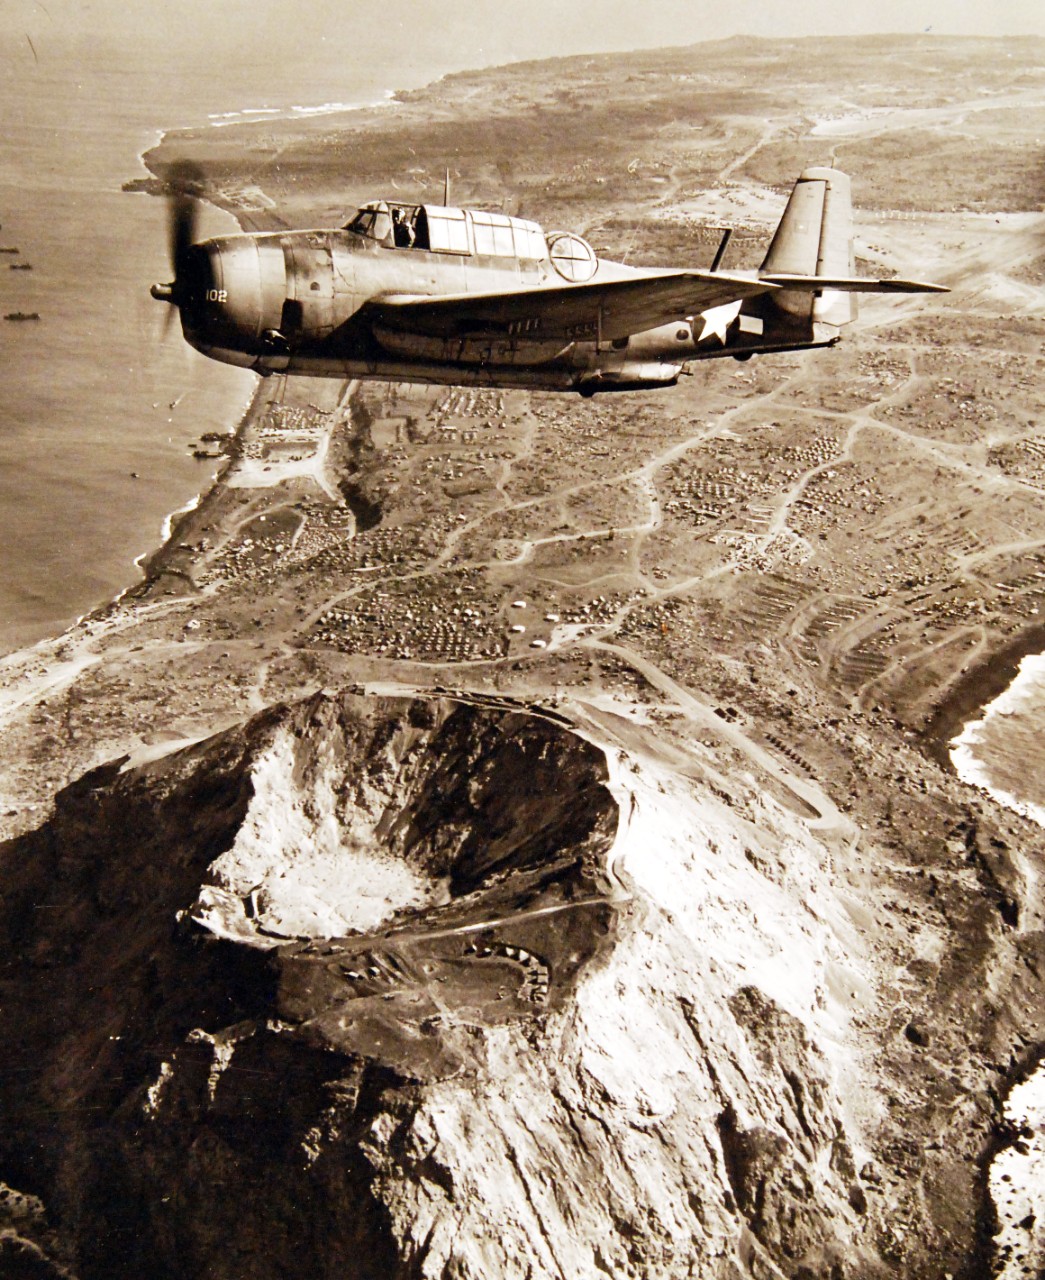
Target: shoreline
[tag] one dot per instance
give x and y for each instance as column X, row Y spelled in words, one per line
column 981, row 685
column 263, row 115
column 176, row 519
column 973, row 766
column 964, row 703
column 147, row 563
column 155, row 564
column 152, row 562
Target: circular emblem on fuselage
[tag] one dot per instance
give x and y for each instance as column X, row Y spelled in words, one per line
column 573, row 258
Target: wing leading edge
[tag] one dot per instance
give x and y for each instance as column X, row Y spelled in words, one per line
column 851, row 284
column 604, row 309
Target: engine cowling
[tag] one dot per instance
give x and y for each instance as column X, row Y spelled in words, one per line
column 238, row 296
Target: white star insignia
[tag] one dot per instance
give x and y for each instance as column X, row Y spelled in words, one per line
column 717, row 320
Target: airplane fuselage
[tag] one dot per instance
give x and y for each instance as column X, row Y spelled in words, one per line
column 431, row 293
column 292, row 303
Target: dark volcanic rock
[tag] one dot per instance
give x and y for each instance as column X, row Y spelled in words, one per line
column 391, row 988
column 193, row 1104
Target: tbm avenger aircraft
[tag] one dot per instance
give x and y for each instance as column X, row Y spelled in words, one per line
column 436, row 294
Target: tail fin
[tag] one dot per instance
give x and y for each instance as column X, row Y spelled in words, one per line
column 815, row 238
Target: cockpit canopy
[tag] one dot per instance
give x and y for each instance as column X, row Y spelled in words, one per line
column 373, row 221
column 440, row 229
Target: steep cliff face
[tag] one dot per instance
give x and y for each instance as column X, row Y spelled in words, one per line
column 671, row 1122
column 375, row 988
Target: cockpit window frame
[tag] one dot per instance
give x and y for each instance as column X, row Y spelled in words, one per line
column 456, row 232
column 379, row 228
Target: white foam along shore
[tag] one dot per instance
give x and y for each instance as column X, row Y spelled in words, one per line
column 247, row 115
column 216, row 120
column 170, row 520
column 1017, row 1184
column 965, row 756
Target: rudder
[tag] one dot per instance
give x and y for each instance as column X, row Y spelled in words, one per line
column 815, row 238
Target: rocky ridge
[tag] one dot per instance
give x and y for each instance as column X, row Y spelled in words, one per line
column 565, row 1061
column 628, row 1019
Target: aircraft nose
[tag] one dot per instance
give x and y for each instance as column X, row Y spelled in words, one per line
column 237, row 294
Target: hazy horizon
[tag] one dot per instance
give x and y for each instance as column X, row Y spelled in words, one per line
column 422, row 39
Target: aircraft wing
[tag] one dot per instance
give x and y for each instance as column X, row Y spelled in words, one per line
column 605, row 309
column 852, row 284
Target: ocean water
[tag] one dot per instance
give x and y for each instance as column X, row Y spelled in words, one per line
column 1003, row 750
column 98, row 409
column 86, row 393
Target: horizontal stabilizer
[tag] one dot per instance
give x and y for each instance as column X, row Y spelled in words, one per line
column 851, row 284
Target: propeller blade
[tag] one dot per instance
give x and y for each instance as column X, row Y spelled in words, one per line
column 182, row 231
column 184, row 181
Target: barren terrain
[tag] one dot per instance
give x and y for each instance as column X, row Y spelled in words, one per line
column 577, row 867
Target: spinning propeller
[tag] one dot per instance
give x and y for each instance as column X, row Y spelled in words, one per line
column 191, row 274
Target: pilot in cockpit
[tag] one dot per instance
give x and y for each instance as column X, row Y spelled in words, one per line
column 402, row 231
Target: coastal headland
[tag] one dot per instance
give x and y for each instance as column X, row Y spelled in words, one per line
column 506, row 835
